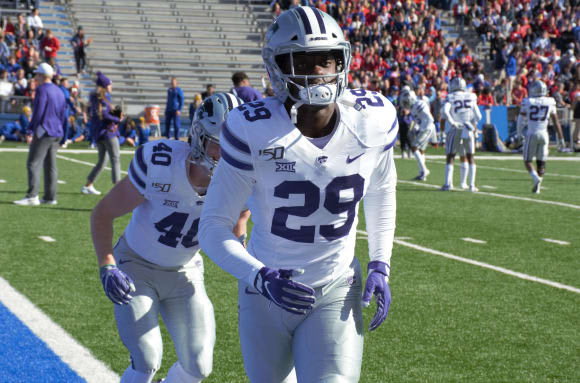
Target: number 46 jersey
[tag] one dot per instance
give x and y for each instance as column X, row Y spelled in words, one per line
column 163, row 229
column 304, row 200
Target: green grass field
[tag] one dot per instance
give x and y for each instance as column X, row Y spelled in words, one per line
column 450, row 321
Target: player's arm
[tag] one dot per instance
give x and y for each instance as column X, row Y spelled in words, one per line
column 446, row 112
column 522, row 120
column 476, row 112
column 121, row 199
column 240, row 228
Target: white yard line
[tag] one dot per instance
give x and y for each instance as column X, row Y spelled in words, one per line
column 46, row 238
column 515, row 157
column 488, row 187
column 556, row 241
column 506, row 196
column 486, row 266
column 83, row 162
column 2, row 181
column 473, row 240
column 67, row 348
column 548, row 174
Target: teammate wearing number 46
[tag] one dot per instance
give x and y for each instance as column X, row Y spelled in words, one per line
column 535, row 113
column 156, row 268
column 303, row 161
column 462, row 115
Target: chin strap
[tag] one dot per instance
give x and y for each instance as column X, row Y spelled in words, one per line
column 294, row 112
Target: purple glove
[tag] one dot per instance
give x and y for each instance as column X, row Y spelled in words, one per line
column 276, row 285
column 377, row 284
column 118, row 286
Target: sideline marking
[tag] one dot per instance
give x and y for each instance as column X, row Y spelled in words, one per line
column 46, row 238
column 488, row 187
column 473, row 240
column 83, row 162
column 64, row 346
column 487, row 266
column 506, row 196
column 556, row 241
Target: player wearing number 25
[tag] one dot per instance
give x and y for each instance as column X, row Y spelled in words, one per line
column 156, row 268
column 302, row 162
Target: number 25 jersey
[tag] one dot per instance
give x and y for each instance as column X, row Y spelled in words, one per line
column 163, row 229
column 304, row 200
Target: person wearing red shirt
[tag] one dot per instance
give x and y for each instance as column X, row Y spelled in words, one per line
column 49, row 46
column 485, row 98
column 519, row 92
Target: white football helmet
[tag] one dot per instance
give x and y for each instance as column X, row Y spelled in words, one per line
column 457, row 84
column 305, row 29
column 207, row 125
column 538, row 89
column 408, row 99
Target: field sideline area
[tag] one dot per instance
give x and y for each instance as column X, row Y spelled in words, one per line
column 485, row 286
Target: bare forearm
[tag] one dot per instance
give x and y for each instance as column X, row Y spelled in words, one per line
column 102, row 233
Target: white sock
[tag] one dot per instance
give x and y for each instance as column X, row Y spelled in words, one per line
column 463, row 173
column 449, row 174
column 177, row 374
column 134, row 376
column 417, row 155
column 425, row 170
column 472, row 169
column 535, row 176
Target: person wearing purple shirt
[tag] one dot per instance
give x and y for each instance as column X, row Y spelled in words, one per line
column 43, row 134
column 105, row 124
column 242, row 88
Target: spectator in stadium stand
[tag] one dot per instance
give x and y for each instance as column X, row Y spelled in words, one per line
column 519, row 92
column 558, row 92
column 460, row 11
column 511, row 71
column 500, row 91
column 4, row 50
column 485, row 98
column 21, row 83
column 80, row 43
column 105, row 127
column 175, row 100
column 49, row 46
column 193, row 105
column 243, row 89
column 6, row 91
column 20, row 28
column 34, row 21
column 43, row 134
column 209, row 90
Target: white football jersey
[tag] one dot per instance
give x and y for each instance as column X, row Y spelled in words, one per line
column 163, row 229
column 304, row 200
column 421, row 115
column 463, row 107
column 537, row 111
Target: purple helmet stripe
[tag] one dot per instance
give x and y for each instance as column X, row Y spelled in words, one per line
column 320, row 21
column 305, row 21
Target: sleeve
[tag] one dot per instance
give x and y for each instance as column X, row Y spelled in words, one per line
column 226, row 197
column 446, row 112
column 180, row 99
column 108, row 116
column 476, row 112
column 138, row 170
column 38, row 108
column 380, row 209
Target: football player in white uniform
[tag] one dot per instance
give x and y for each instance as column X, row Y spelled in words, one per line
column 462, row 115
column 156, row 267
column 303, row 160
column 421, row 130
column 535, row 112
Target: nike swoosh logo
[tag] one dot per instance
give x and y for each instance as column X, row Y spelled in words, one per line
column 248, row 291
column 349, row 160
column 124, row 261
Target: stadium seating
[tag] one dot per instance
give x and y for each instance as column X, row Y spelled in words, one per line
column 140, row 45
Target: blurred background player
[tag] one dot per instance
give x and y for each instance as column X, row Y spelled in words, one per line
column 535, row 113
column 462, row 115
column 421, row 131
column 156, row 267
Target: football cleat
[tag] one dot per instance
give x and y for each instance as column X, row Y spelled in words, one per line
column 446, row 188
column 473, row 189
column 464, row 186
column 536, row 187
column 33, row 201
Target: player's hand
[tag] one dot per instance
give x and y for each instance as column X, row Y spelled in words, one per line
column 378, row 286
column 276, row 285
column 561, row 144
column 469, row 126
column 118, row 286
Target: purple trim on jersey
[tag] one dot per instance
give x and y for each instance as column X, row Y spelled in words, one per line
column 235, row 163
column 390, row 145
column 140, row 161
column 235, row 141
column 135, row 177
column 319, row 18
column 305, row 21
column 395, row 124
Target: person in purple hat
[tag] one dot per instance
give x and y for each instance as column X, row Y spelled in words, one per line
column 104, row 122
column 43, row 135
